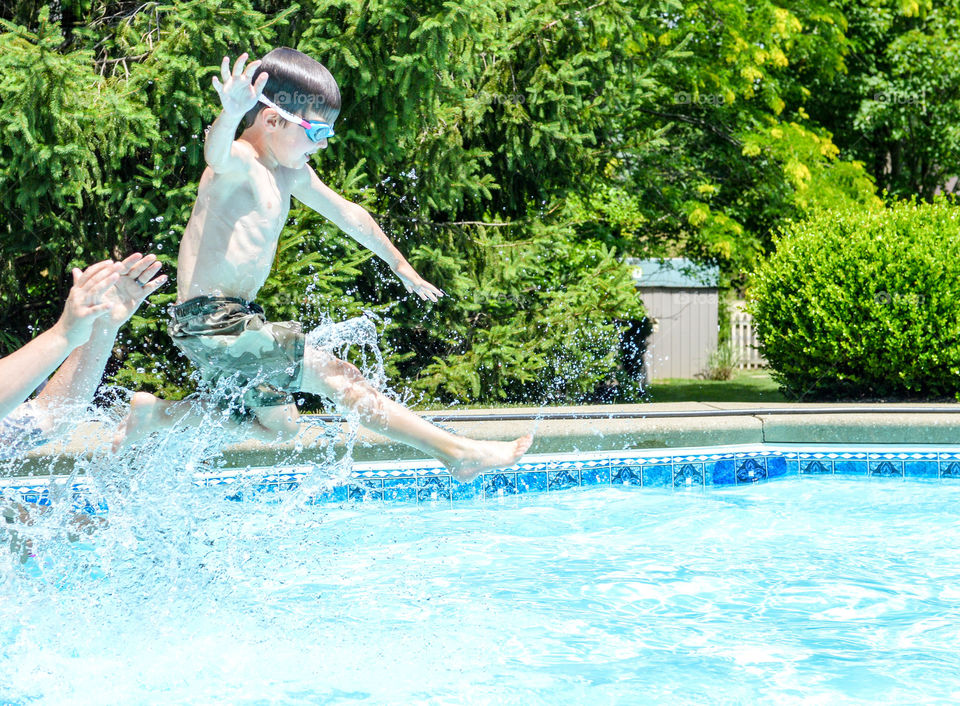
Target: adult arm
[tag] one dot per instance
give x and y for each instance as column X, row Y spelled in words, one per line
column 77, row 379
column 23, row 370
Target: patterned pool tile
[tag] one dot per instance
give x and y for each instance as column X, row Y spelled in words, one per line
column 365, row 490
column 598, row 475
column 816, row 466
column 562, row 479
column 949, row 469
column 498, row 484
column 402, row 489
column 431, row 488
column 721, row 472
column 850, row 467
column 423, row 481
column 751, row 470
column 687, row 474
column 464, row 491
column 886, row 469
column 921, row 469
column 626, row 475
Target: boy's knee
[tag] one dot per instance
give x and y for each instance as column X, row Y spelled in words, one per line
column 279, row 427
column 286, row 429
column 357, row 395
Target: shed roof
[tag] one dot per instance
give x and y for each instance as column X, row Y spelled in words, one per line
column 677, row 272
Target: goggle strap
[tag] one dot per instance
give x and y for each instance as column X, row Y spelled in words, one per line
column 283, row 114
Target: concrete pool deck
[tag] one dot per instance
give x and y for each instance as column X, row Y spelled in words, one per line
column 589, row 428
column 598, row 428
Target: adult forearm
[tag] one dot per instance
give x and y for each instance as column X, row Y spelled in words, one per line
column 219, row 138
column 22, row 371
column 76, row 381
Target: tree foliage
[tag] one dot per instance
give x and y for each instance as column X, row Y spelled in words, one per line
column 515, row 151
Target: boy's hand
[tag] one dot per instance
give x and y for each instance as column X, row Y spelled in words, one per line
column 86, row 301
column 236, row 92
column 137, row 281
column 417, row 284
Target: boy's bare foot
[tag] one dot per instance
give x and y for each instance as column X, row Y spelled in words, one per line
column 144, row 417
column 480, row 456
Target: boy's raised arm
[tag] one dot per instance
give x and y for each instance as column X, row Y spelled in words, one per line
column 354, row 220
column 238, row 96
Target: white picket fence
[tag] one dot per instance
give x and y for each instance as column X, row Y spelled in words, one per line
column 744, row 338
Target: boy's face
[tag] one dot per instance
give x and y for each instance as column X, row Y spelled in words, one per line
column 289, row 142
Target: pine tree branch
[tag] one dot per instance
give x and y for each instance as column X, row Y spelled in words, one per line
column 694, row 121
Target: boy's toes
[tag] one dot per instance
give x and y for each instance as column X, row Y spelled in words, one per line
column 524, row 443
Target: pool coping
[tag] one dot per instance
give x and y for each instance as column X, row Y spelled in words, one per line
column 656, row 425
column 588, row 428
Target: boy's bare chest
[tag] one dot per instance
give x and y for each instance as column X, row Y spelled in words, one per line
column 269, row 197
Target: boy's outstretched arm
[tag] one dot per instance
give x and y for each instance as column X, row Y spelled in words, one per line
column 354, row 220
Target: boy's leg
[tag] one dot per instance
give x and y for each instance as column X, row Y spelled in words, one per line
column 342, row 382
column 149, row 413
column 278, row 423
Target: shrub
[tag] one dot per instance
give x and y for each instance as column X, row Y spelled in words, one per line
column 864, row 303
column 722, row 362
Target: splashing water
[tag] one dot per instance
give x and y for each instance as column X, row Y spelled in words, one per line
column 136, row 578
column 160, row 512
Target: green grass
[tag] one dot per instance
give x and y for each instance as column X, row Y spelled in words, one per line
column 748, row 386
column 752, row 386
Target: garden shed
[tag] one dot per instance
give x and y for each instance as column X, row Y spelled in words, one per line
column 681, row 299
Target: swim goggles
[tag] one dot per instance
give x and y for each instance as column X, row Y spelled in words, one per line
column 316, row 130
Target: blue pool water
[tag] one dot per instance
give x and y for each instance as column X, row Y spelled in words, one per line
column 807, row 589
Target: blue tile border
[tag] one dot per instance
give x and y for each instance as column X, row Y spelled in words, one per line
column 677, row 469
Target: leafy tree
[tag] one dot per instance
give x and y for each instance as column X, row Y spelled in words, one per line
column 896, row 104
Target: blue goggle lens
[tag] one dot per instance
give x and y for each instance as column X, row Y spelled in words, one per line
column 319, row 131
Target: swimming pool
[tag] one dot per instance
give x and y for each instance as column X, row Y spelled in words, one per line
column 658, row 576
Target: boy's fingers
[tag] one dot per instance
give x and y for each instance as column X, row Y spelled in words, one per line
column 225, row 68
column 248, row 72
column 238, row 64
column 261, row 82
column 216, row 84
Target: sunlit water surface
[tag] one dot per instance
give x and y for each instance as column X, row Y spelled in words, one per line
column 802, row 590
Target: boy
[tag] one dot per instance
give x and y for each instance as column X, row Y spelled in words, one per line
column 228, row 248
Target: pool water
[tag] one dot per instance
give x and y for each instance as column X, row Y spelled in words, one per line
column 801, row 590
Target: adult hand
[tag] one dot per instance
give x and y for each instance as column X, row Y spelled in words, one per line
column 86, row 301
column 236, row 92
column 417, row 284
column 137, row 281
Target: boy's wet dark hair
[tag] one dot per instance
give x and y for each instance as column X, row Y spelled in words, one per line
column 297, row 84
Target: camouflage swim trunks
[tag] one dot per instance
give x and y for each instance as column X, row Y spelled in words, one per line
column 229, row 339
